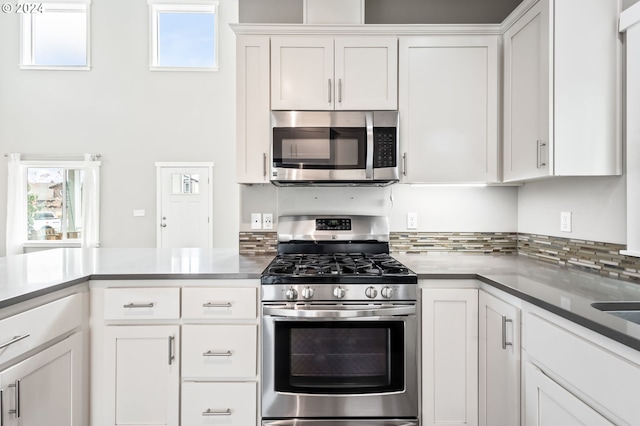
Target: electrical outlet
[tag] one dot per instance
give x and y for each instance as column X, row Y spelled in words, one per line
column 267, row 221
column 565, row 221
column 256, row 221
column 412, row 220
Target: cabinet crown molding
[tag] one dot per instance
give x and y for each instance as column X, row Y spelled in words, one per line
column 629, row 17
column 365, row 29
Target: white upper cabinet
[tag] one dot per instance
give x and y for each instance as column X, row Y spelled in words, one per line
column 326, row 73
column 562, row 90
column 448, row 104
column 252, row 109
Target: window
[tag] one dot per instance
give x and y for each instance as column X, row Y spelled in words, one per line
column 52, row 203
column 56, row 38
column 184, row 36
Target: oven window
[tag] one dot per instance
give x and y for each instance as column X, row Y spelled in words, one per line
column 342, row 357
column 319, row 148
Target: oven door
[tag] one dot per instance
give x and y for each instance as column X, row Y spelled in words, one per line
column 336, row 361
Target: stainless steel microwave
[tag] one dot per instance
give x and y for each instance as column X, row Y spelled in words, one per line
column 334, row 148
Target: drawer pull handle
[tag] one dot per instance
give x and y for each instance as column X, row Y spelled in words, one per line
column 211, row 412
column 209, row 353
column 14, row 340
column 217, row 305
column 139, row 305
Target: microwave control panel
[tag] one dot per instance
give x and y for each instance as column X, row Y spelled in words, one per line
column 384, row 147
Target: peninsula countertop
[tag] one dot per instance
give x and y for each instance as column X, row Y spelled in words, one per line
column 566, row 291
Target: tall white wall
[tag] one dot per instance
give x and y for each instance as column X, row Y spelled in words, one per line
column 597, row 205
column 130, row 115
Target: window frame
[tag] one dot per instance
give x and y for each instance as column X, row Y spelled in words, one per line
column 24, row 225
column 27, row 48
column 194, row 6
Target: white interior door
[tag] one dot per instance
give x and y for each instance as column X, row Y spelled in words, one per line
column 184, row 206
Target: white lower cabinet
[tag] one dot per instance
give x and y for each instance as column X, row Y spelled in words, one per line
column 174, row 355
column 46, row 388
column 575, row 375
column 549, row 404
column 499, row 362
column 142, row 363
column 449, row 357
column 229, row 404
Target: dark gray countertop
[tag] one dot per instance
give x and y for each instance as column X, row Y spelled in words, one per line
column 565, row 291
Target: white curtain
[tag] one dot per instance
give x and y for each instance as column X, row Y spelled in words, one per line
column 16, row 206
column 91, row 202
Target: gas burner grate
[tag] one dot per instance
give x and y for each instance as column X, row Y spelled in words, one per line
column 336, row 264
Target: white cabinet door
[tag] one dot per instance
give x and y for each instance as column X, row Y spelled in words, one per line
column 562, row 107
column 526, row 96
column 45, row 389
column 302, row 73
column 230, row 404
column 345, row 73
column 549, row 404
column 142, row 367
column 448, row 103
column 450, row 357
column 253, row 124
column 366, row 73
column 499, row 362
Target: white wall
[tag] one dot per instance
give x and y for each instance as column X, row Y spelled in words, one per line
column 440, row 209
column 597, row 205
column 132, row 116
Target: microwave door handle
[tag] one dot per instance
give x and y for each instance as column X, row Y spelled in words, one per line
column 369, row 159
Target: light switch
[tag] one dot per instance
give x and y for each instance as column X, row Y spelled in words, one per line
column 139, row 213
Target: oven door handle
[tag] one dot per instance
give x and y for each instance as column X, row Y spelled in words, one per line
column 297, row 422
column 279, row 311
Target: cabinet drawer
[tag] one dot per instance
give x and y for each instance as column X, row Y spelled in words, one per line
column 36, row 326
column 219, row 351
column 141, row 303
column 611, row 382
column 219, row 303
column 229, row 404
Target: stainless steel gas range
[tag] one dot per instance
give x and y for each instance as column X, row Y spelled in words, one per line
column 339, row 335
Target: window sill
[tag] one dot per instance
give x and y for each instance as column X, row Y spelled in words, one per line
column 52, row 244
column 183, row 69
column 55, row 68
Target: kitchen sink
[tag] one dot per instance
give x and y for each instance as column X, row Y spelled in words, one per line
column 629, row 311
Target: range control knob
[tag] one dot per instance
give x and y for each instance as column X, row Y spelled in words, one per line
column 371, row 292
column 291, row 294
column 339, row 292
column 386, row 292
column 307, row 293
